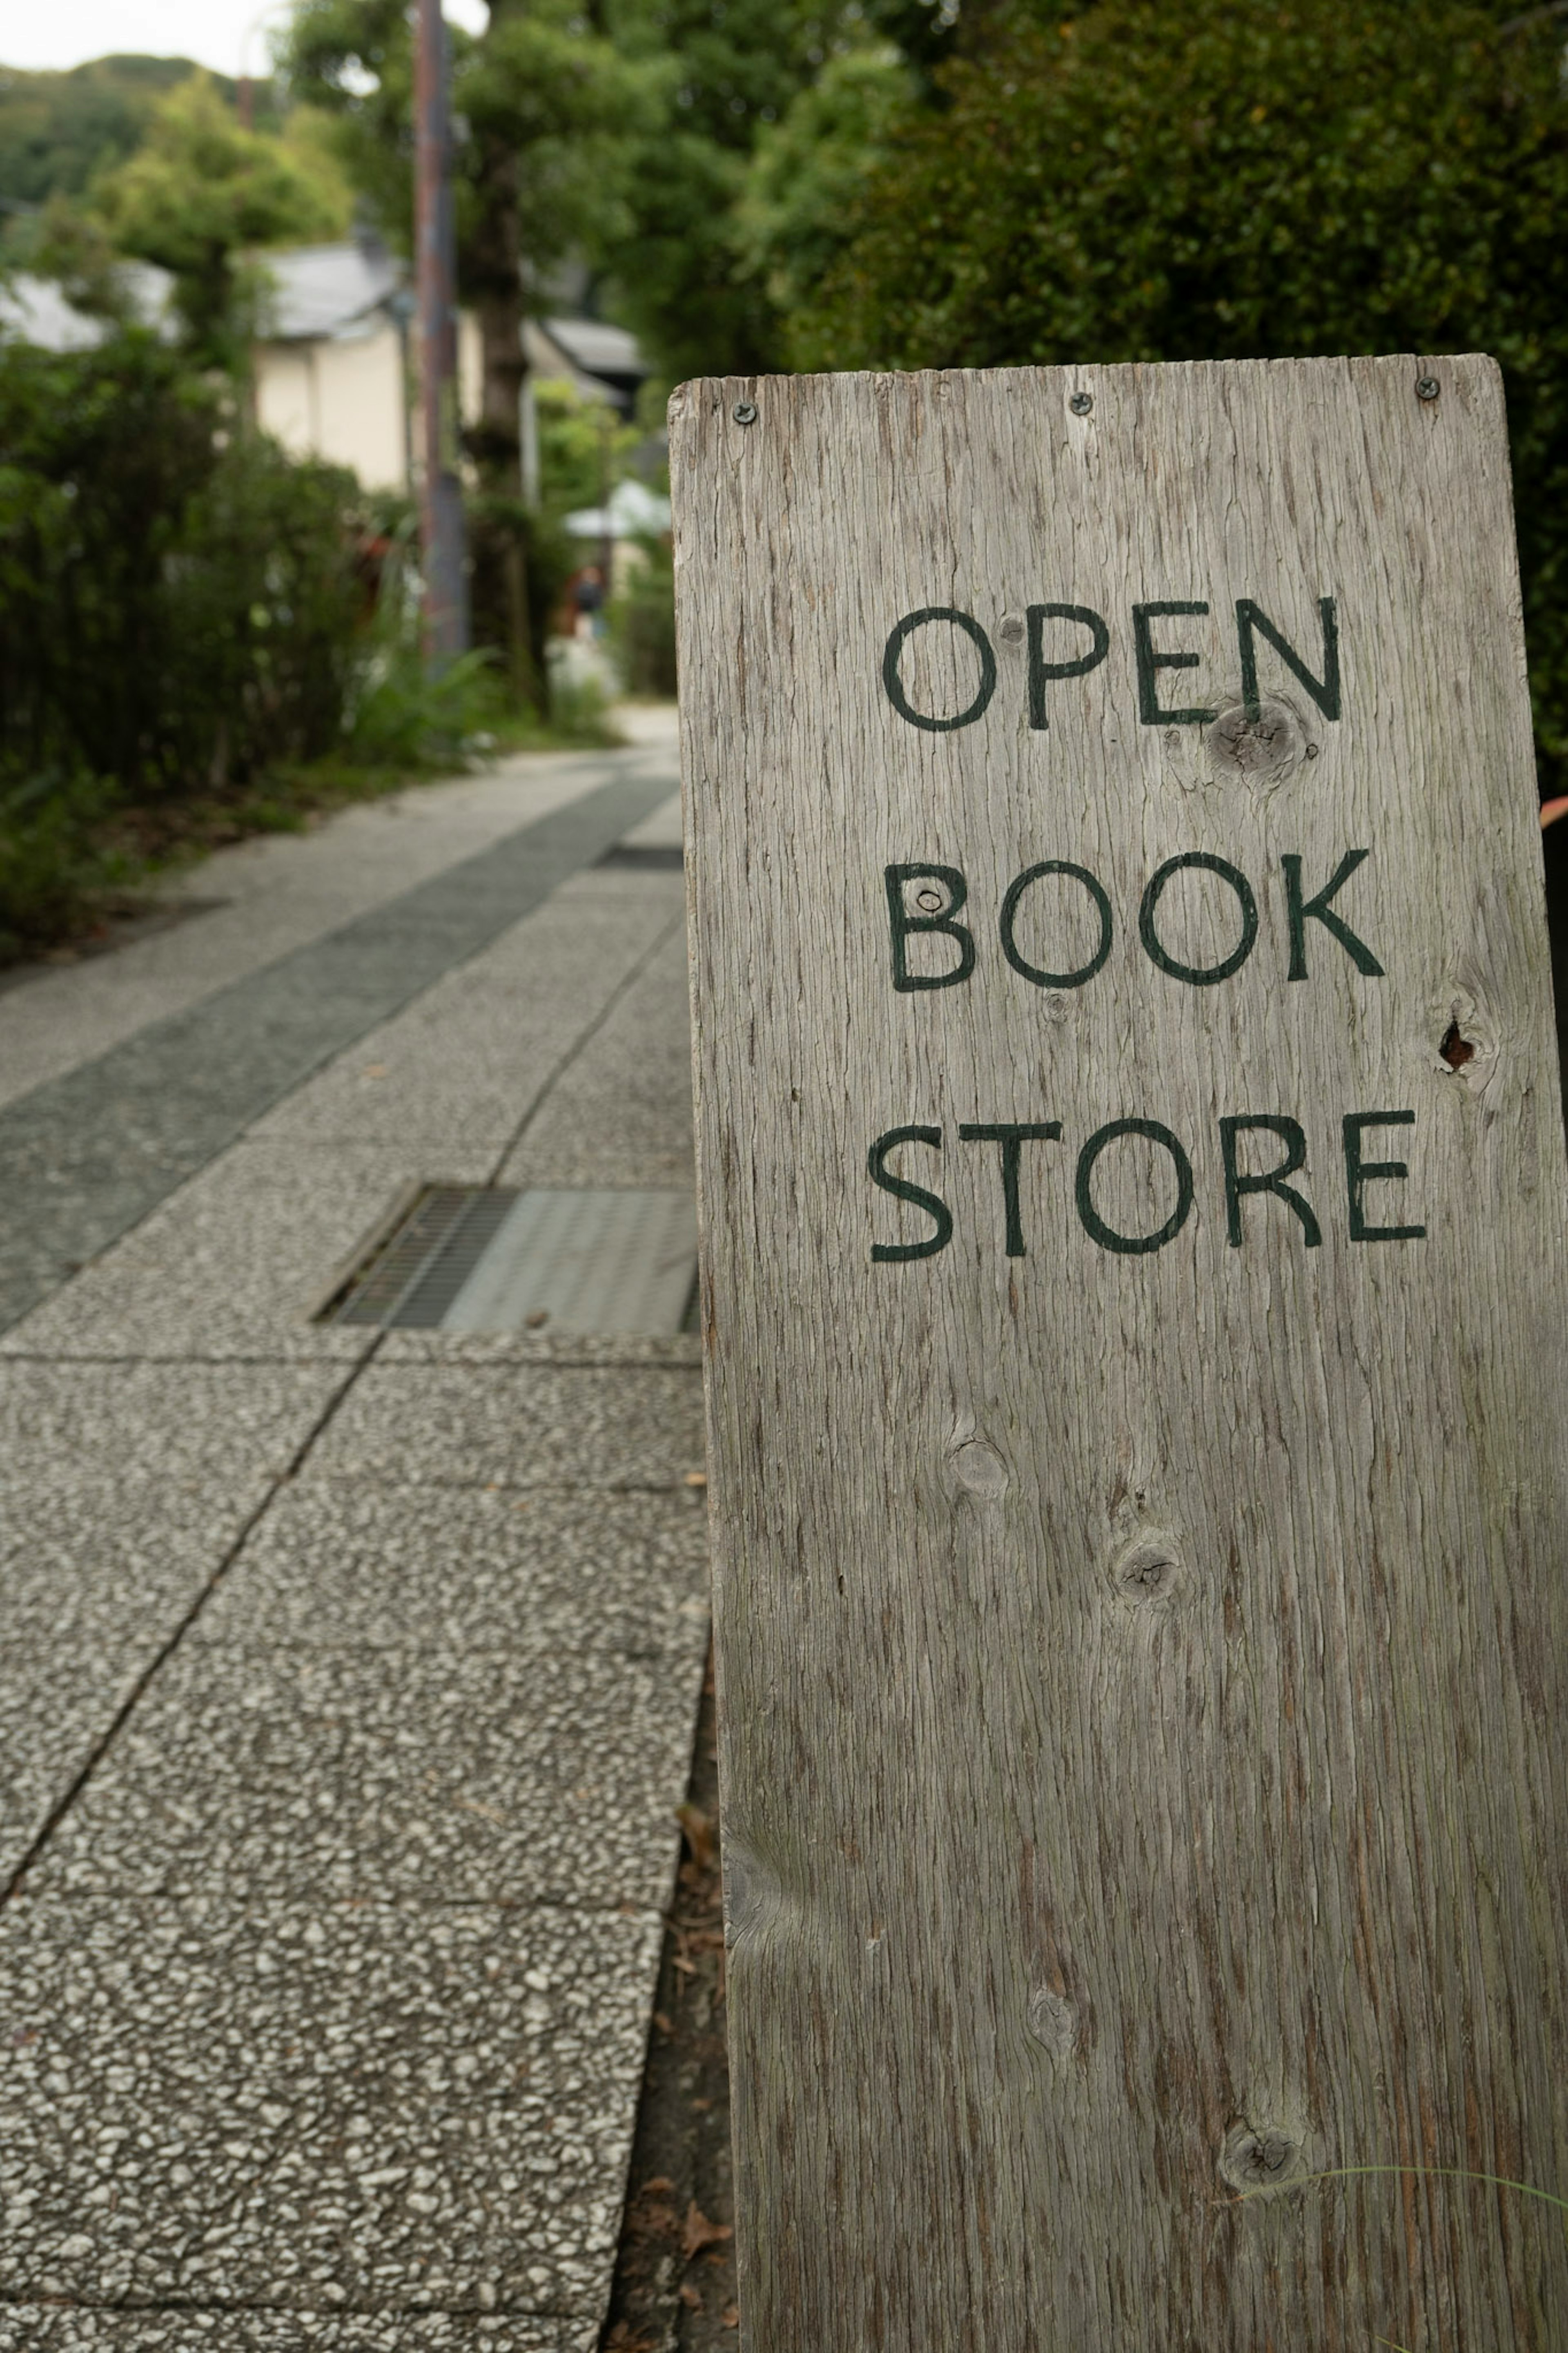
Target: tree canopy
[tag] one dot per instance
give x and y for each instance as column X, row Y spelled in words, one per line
column 765, row 184
column 201, row 190
column 58, row 131
column 1186, row 179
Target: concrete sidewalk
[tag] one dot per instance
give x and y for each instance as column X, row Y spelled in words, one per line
column 347, row 1677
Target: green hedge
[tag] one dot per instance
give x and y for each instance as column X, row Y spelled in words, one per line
column 178, row 599
column 1192, row 179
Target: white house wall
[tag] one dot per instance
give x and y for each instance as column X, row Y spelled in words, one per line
column 339, row 400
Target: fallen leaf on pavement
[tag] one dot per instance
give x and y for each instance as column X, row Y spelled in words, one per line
column 700, row 2232
column 698, row 1833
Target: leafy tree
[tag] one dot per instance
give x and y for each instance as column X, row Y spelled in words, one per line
column 178, row 602
column 796, row 204
column 199, row 192
column 735, row 201
column 68, row 244
column 544, row 105
column 1183, row 179
column 674, row 271
column 58, row 131
column 581, row 441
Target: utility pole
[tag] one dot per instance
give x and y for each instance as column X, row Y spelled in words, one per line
column 441, row 495
column 244, row 92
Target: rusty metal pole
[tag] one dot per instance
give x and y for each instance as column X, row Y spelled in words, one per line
column 441, row 495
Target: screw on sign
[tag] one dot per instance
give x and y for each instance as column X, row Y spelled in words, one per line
column 1131, row 1169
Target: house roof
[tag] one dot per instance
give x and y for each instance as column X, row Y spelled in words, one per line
column 36, row 310
column 598, row 349
column 319, row 292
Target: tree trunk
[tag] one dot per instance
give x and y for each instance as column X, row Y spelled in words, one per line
column 502, row 615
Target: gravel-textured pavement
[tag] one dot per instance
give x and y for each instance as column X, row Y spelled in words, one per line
column 347, row 1679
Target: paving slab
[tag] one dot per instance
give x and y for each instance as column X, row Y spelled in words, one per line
column 418, row 1569
column 625, row 886
column 260, row 899
column 464, row 1064
column 103, row 1560
column 86, row 1155
column 436, row 1777
column 234, row 1262
column 622, row 1114
column 69, row 1424
column 568, row 1351
column 362, row 2106
column 660, row 829
column 37, row 2329
column 515, row 1426
column 455, row 1658
column 96, row 1579
column 55, row 1709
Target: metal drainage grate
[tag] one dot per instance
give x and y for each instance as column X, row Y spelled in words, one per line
column 494, row 1259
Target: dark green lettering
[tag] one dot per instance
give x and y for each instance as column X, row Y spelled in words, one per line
column 1149, row 662
column 1318, row 909
column 1325, row 691
column 1198, row 976
column 1012, row 1135
column 931, row 1203
column 895, row 685
column 1094, row 1224
column 1040, row 669
column 1272, row 1180
column 902, row 923
column 1016, row 890
column 1359, row 1172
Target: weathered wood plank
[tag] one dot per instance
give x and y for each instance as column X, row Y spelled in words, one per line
column 1141, row 1670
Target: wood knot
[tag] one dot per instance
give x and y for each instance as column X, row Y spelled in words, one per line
column 1260, row 2156
column 1147, row 1569
column 1052, row 2020
column 1456, row 1050
column 980, row 1467
column 753, row 1895
column 1469, row 1044
column 1261, row 747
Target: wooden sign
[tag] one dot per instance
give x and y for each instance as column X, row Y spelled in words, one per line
column 1132, row 1182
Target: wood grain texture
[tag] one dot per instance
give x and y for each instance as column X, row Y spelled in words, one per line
column 1141, row 1675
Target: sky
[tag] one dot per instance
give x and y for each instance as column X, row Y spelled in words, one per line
column 214, row 32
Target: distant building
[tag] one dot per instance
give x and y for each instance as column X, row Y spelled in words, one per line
column 603, row 361
column 35, row 311
column 333, row 367
column 334, row 370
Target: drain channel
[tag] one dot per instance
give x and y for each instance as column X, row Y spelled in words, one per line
column 411, row 1278
column 500, row 1259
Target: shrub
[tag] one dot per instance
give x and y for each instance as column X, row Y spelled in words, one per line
column 642, row 622
column 1188, row 179
column 52, row 861
column 178, row 602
